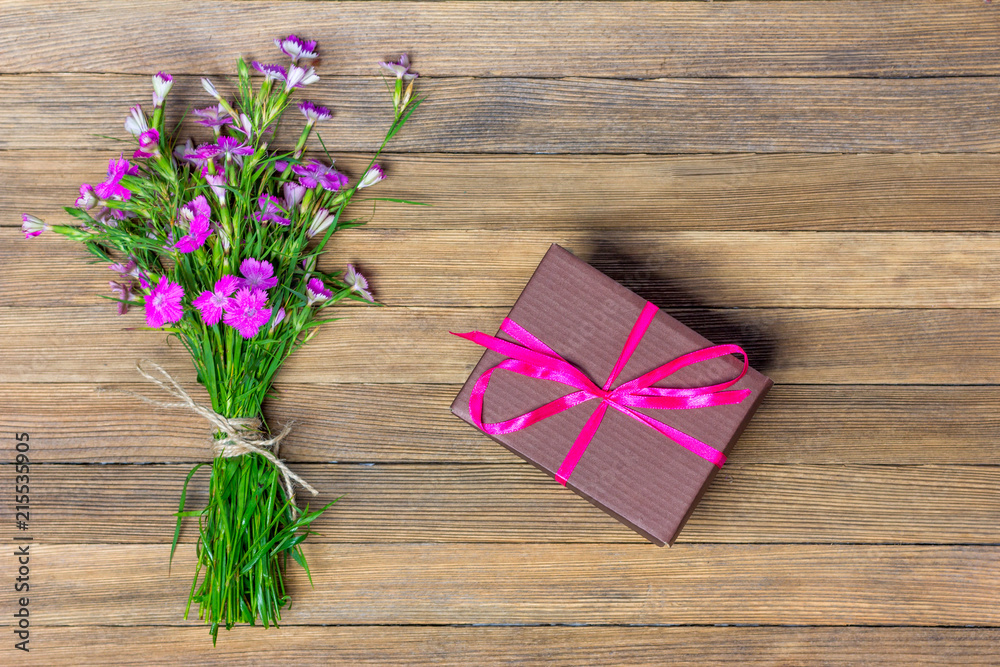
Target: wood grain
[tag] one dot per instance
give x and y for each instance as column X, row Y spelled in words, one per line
column 400, row 423
column 822, row 192
column 795, row 346
column 516, row 503
column 816, row 181
column 639, row 39
column 551, row 645
column 672, row 269
column 431, row 584
column 567, row 115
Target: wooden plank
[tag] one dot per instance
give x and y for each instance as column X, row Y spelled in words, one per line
column 412, row 345
column 822, row 192
column 561, row 583
column 635, row 39
column 517, row 503
column 905, row 425
column 559, row 645
column 673, row 269
column 570, row 115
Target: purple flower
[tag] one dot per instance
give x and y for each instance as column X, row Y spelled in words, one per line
column 211, row 303
column 401, row 69
column 162, row 82
column 316, row 292
column 257, row 274
column 136, row 123
column 32, row 226
column 322, row 219
column 149, row 144
column 300, row 76
column 87, row 198
column 372, row 176
column 163, row 303
column 244, row 126
column 270, row 72
column 197, row 213
column 123, row 291
column 332, row 180
column 280, row 165
column 112, row 188
column 270, row 210
column 295, row 47
column 307, row 173
column 188, row 153
column 218, row 183
column 228, row 147
column 357, row 283
column 109, row 216
column 313, row 112
column 127, row 270
column 314, row 173
column 246, row 313
column 196, row 208
column 213, row 116
column 294, row 193
column 278, row 317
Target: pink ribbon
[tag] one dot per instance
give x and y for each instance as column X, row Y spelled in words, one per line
column 533, row 358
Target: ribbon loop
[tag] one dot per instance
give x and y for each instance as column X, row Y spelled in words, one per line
column 530, row 357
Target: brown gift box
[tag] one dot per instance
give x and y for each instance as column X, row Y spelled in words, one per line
column 632, row 472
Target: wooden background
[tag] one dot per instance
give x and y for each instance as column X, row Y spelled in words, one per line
column 818, row 181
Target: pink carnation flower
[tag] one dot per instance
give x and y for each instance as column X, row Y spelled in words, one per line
column 313, row 112
column 212, row 303
column 196, row 212
column 136, row 123
column 317, row 292
column 401, row 69
column 271, row 209
column 149, row 144
column 357, row 283
column 214, row 117
column 300, row 76
column 246, row 313
column 296, row 47
column 162, row 83
column 270, row 72
column 32, row 226
column 227, row 147
column 87, row 198
column 163, row 303
column 112, row 188
column 372, row 176
column 257, row 274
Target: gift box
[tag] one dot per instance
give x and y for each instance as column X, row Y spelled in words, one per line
column 615, row 399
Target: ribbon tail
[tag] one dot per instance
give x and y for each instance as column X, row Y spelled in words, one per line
column 581, row 444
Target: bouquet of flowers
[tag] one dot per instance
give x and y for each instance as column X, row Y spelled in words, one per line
column 219, row 243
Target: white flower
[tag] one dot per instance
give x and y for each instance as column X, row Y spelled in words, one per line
column 210, row 88
column 372, row 176
column 322, row 219
column 136, row 123
column 299, row 76
column 162, row 83
column 32, row 226
column 357, row 283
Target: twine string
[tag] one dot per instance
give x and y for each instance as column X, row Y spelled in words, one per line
column 240, row 435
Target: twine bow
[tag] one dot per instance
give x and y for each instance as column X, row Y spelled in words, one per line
column 240, row 435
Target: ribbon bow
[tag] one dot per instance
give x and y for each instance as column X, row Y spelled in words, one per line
column 533, row 358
